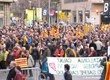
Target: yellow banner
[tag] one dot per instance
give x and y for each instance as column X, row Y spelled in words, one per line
column 11, row 14
column 62, row 15
column 22, row 62
column 30, row 14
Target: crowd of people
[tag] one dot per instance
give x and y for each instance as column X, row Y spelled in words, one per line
column 36, row 43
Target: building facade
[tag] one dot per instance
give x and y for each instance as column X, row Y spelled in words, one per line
column 83, row 9
column 5, row 12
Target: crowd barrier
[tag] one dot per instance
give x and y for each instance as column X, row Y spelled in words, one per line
column 25, row 71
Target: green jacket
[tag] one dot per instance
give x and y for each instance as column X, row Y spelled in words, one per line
column 5, row 55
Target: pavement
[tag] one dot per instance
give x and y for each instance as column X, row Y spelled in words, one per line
column 36, row 73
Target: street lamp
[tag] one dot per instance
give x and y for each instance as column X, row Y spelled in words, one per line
column 33, row 7
column 97, row 11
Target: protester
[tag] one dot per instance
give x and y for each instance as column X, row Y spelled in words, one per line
column 93, row 53
column 5, row 54
column 1, row 56
column 34, row 53
column 12, row 73
column 46, row 52
column 30, row 62
column 105, row 64
column 18, row 73
column 45, row 69
column 99, row 46
column 16, row 53
column 67, row 75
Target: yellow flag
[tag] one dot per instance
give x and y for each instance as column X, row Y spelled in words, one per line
column 25, row 40
column 86, row 29
column 53, row 31
column 70, row 37
column 41, row 33
column 57, row 32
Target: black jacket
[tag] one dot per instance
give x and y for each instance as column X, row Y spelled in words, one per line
column 103, row 63
column 67, row 75
column 11, row 74
column 34, row 51
column 93, row 45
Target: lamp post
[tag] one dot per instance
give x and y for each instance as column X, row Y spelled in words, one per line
column 33, row 7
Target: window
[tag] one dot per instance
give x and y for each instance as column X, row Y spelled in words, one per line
column 80, row 16
column 87, row 14
column 1, row 7
column 1, row 22
column 74, row 16
column 73, row 1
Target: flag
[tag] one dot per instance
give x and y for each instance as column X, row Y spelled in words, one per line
column 17, row 40
column 53, row 31
column 57, row 32
column 25, row 40
column 70, row 37
column 107, row 75
column 77, row 32
column 46, row 34
column 86, row 29
column 41, row 33
column 81, row 35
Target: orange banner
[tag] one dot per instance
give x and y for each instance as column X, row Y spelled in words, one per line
column 22, row 62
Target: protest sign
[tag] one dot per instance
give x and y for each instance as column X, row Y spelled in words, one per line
column 22, row 62
column 78, row 66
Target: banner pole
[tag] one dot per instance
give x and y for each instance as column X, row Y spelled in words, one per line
column 49, row 13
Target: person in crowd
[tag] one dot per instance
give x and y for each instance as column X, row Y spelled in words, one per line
column 86, row 51
column 99, row 46
column 5, row 54
column 10, row 56
column 1, row 56
column 93, row 45
column 34, row 53
column 72, row 46
column 93, row 53
column 21, row 54
column 46, row 52
column 30, row 62
column 12, row 73
column 45, row 69
column 18, row 73
column 16, row 53
column 59, row 52
column 67, row 75
column 54, row 47
column 104, row 53
column 103, row 63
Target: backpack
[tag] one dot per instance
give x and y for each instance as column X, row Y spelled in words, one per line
column 10, row 57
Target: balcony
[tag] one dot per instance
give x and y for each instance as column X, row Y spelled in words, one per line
column 97, row 1
column 8, row 1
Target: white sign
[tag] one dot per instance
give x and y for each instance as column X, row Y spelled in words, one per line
column 108, row 50
column 78, row 66
column 90, row 20
column 106, row 7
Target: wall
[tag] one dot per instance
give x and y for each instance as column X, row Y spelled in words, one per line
column 5, row 14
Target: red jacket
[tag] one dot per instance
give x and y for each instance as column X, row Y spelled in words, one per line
column 16, row 54
column 18, row 76
column 59, row 52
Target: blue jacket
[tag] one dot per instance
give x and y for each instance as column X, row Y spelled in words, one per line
column 45, row 66
column 29, row 41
